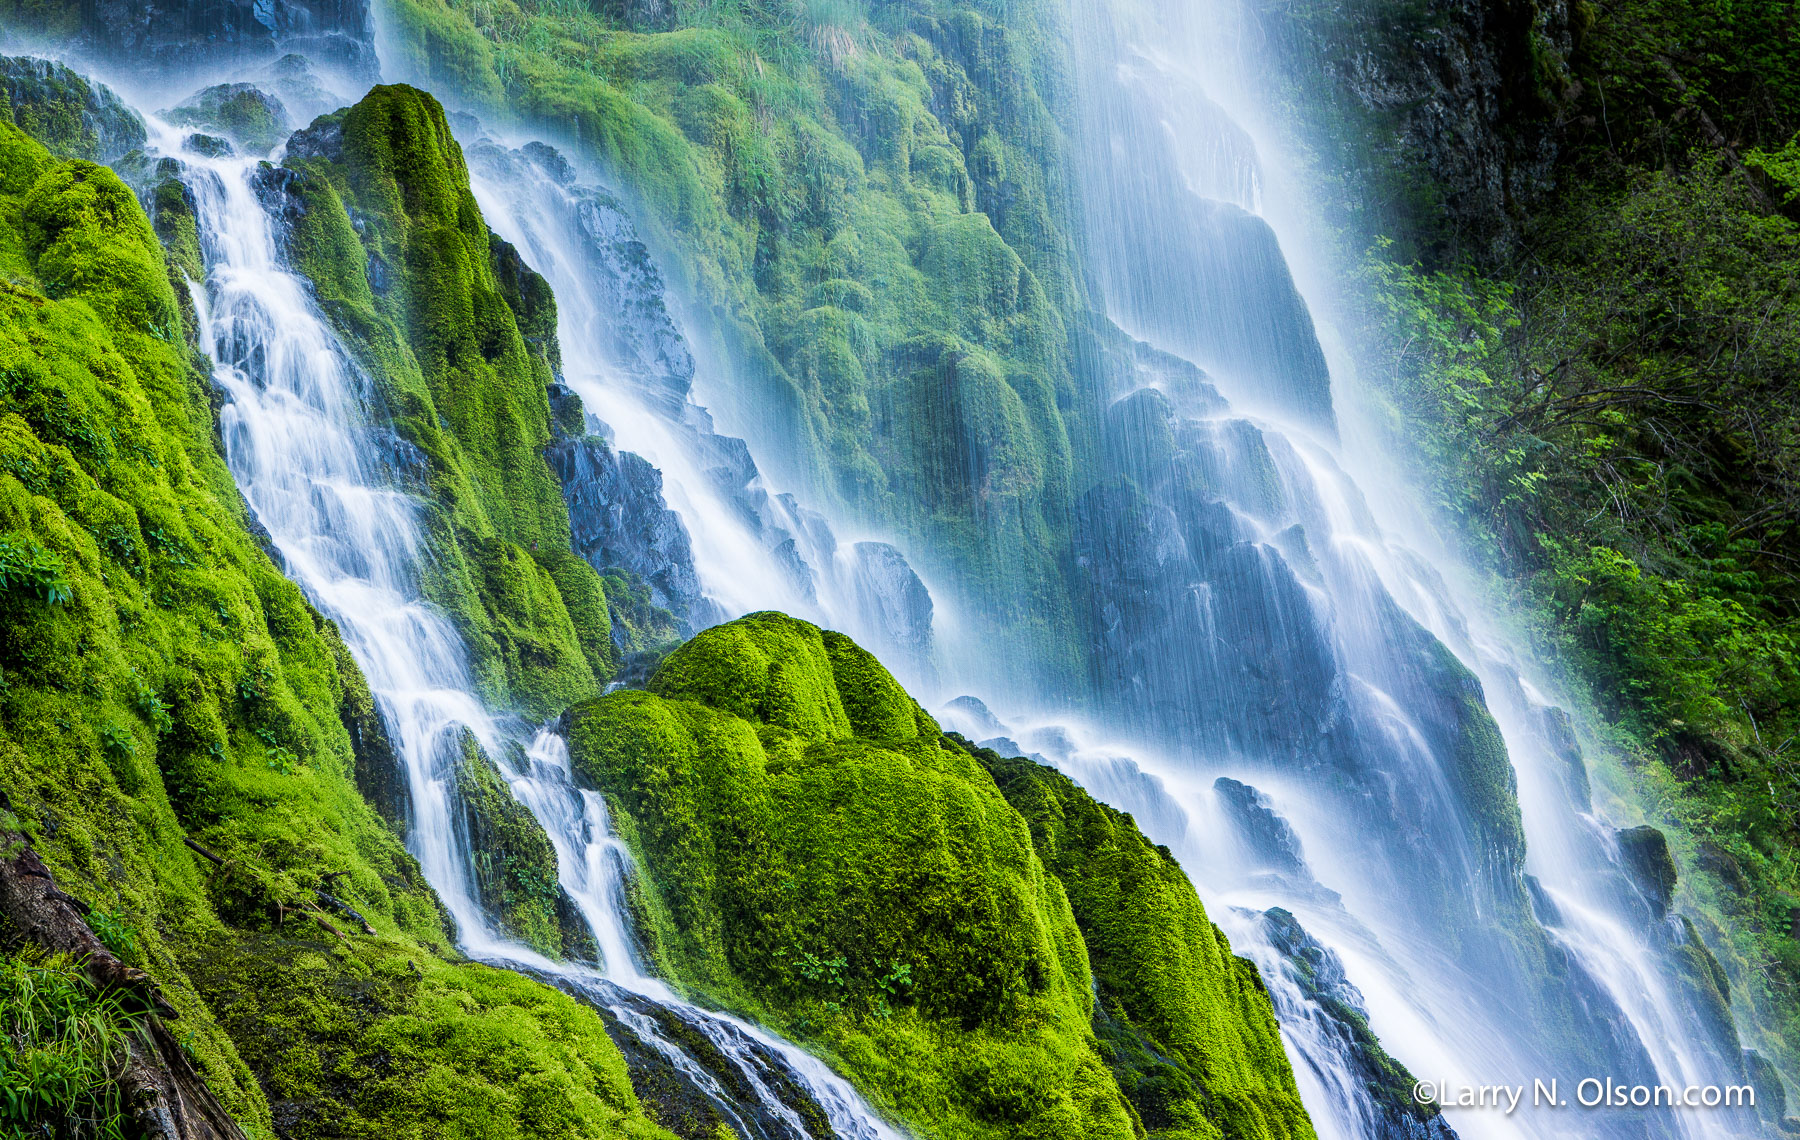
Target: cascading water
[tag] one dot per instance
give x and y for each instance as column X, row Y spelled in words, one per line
column 1257, row 623
column 628, row 362
column 299, row 425
column 1270, row 555
column 1255, row 620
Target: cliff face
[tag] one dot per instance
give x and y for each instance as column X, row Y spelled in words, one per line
column 203, row 36
column 1437, row 120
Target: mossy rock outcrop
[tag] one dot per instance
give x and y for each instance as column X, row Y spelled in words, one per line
column 459, row 335
column 1186, row 1024
column 514, row 862
column 253, row 117
column 818, row 854
column 66, row 112
column 161, row 683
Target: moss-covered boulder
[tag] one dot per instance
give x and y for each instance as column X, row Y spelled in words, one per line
column 1771, row 1094
column 459, row 335
column 816, row 853
column 173, row 737
column 1186, row 1025
column 246, row 113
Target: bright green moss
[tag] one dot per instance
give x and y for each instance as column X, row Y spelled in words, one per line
column 178, row 687
column 376, row 1041
column 584, row 595
column 1704, row 984
column 64, row 111
column 643, row 633
column 88, row 238
column 461, row 336
column 1171, row 991
column 514, row 863
column 765, row 668
column 817, row 853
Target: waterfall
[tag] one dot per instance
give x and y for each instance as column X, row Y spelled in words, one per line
column 1264, row 630
column 301, row 427
column 1292, row 674
column 753, row 549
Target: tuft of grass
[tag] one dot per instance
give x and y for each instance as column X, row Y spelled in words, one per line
column 62, row 1046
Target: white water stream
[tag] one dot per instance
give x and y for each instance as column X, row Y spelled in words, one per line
column 299, row 427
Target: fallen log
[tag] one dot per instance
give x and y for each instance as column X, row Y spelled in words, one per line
column 346, row 910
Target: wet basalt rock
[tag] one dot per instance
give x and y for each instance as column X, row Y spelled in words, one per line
column 683, row 1077
column 1338, row 1009
column 1644, row 853
column 618, row 518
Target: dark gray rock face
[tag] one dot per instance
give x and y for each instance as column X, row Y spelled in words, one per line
column 1558, row 731
column 888, row 589
column 1269, row 837
column 617, row 518
column 68, row 113
column 1177, row 250
column 1463, row 91
column 208, row 146
column 1644, row 853
column 971, row 717
column 184, row 35
column 1337, row 1010
column 1208, row 279
column 322, row 139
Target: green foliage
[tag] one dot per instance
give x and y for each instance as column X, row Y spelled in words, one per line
column 29, row 568
column 61, row 1044
column 1781, row 168
column 1678, row 75
column 817, row 854
column 1617, row 422
column 115, row 932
